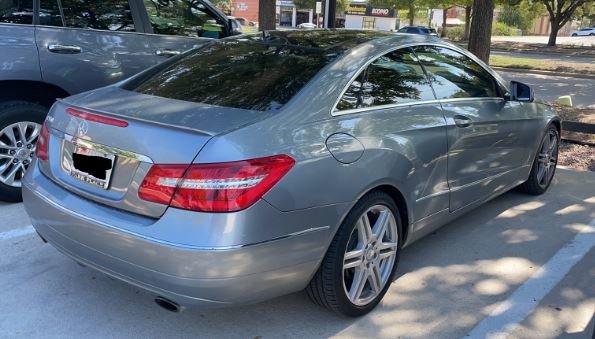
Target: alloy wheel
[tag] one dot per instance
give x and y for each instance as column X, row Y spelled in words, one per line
column 547, row 159
column 17, row 147
column 370, row 255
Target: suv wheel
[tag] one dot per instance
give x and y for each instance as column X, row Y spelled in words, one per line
column 360, row 263
column 20, row 123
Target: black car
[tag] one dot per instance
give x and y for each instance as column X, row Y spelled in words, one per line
column 418, row 30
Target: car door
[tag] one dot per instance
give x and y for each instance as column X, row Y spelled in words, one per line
column 490, row 140
column 18, row 52
column 85, row 44
column 174, row 26
column 391, row 108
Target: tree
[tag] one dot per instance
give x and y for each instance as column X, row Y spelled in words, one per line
column 468, row 6
column 560, row 12
column 481, row 29
column 267, row 15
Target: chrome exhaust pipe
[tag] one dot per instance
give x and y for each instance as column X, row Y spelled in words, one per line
column 168, row 304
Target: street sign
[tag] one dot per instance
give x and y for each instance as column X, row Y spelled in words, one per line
column 318, row 7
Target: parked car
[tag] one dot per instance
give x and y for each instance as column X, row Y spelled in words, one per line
column 74, row 46
column 584, row 32
column 418, row 30
column 224, row 177
column 306, row 25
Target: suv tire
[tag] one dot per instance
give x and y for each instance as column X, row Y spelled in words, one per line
column 12, row 112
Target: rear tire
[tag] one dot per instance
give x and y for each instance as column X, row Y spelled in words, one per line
column 544, row 165
column 13, row 112
column 373, row 269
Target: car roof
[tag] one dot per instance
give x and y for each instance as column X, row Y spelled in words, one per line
column 335, row 40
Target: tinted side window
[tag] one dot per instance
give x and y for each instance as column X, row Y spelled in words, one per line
column 109, row 15
column 49, row 13
column 352, row 97
column 396, row 77
column 454, row 75
column 182, row 17
column 16, row 11
column 412, row 30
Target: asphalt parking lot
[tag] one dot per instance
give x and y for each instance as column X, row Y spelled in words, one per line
column 520, row 266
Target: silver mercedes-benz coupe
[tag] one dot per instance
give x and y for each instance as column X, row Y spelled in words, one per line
column 265, row 164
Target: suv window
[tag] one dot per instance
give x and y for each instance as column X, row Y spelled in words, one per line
column 49, row 13
column 182, row 17
column 454, row 75
column 109, row 15
column 396, row 77
column 16, row 11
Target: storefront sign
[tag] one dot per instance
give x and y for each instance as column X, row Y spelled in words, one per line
column 356, row 9
column 287, row 3
column 368, row 10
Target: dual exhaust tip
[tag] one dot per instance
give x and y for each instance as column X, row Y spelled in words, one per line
column 168, row 304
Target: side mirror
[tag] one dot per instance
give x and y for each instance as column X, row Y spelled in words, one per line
column 521, row 92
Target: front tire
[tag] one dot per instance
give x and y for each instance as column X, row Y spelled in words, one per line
column 360, row 263
column 20, row 123
column 544, row 165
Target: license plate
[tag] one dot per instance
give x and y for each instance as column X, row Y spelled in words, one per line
column 91, row 166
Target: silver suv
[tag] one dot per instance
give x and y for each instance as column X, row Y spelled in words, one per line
column 55, row 48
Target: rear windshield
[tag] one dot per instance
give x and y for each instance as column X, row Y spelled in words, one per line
column 253, row 73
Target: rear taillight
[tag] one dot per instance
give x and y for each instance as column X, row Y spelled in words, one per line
column 43, row 141
column 219, row 187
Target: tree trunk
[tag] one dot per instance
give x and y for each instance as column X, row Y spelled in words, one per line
column 267, row 15
column 444, row 15
column 553, row 32
column 481, row 29
column 411, row 13
column 467, row 23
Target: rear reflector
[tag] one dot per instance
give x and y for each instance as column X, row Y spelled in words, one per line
column 96, row 117
column 42, row 147
column 219, row 187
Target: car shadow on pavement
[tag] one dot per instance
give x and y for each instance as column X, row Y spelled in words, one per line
column 446, row 282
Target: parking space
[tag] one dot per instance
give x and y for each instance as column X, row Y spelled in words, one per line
column 520, row 265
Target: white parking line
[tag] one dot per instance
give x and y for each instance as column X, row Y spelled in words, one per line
column 507, row 316
column 18, row 232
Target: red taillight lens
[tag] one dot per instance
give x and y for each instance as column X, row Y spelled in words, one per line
column 160, row 183
column 220, row 187
column 96, row 117
column 43, row 141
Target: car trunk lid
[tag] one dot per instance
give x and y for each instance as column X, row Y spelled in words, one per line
column 104, row 142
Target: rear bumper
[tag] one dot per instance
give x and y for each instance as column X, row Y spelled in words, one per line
column 218, row 267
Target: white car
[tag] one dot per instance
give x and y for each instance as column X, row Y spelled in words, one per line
column 307, row 25
column 584, row 32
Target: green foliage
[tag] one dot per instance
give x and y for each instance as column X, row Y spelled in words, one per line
column 455, row 33
column 500, row 28
column 305, row 4
column 521, row 15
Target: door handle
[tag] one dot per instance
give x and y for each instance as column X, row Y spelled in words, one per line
column 64, row 49
column 462, row 121
column 167, row 52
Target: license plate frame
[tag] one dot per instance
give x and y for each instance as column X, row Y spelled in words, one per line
column 85, row 176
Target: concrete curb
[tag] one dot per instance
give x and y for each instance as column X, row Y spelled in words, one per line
column 551, row 73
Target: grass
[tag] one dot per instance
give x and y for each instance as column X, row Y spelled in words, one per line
column 541, row 64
